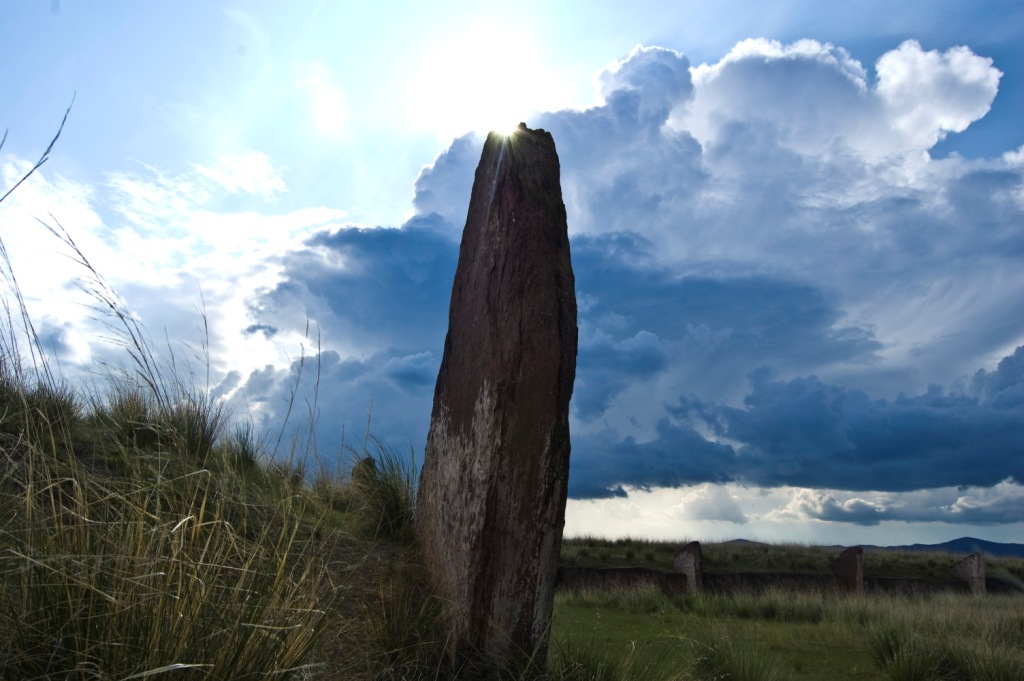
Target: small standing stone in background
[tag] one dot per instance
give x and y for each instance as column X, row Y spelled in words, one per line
column 972, row 570
column 687, row 562
column 849, row 568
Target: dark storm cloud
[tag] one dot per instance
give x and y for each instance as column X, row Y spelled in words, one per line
column 384, row 292
column 622, row 170
column 639, row 318
column 375, row 288
column 762, row 315
column 333, row 398
column 602, row 464
column 990, row 201
column 1004, row 387
column 823, row 436
column 606, row 366
column 806, row 433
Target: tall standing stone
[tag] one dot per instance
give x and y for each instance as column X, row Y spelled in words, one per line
column 491, row 501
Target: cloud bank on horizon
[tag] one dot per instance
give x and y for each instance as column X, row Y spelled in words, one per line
column 778, row 287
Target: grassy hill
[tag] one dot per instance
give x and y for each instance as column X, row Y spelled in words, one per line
column 138, row 539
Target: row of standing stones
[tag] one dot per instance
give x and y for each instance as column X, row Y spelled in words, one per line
column 847, row 575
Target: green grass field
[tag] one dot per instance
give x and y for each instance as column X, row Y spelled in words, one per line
column 801, row 636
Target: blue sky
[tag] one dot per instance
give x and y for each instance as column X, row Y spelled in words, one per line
column 796, row 232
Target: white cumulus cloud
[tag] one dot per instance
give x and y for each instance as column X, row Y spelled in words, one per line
column 816, row 99
column 930, row 93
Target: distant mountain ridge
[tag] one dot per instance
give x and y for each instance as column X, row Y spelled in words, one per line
column 963, row 545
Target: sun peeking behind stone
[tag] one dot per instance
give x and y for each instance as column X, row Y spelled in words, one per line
column 512, row 131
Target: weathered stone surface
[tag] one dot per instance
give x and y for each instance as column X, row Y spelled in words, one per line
column 491, row 500
column 849, row 568
column 972, row 570
column 687, row 562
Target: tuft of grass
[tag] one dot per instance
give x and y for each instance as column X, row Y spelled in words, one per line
column 638, row 600
column 401, row 633
column 245, row 450
column 887, row 641
column 128, row 414
column 578, row 659
column 35, row 410
column 192, row 423
column 729, row 659
column 383, row 493
column 908, row 648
